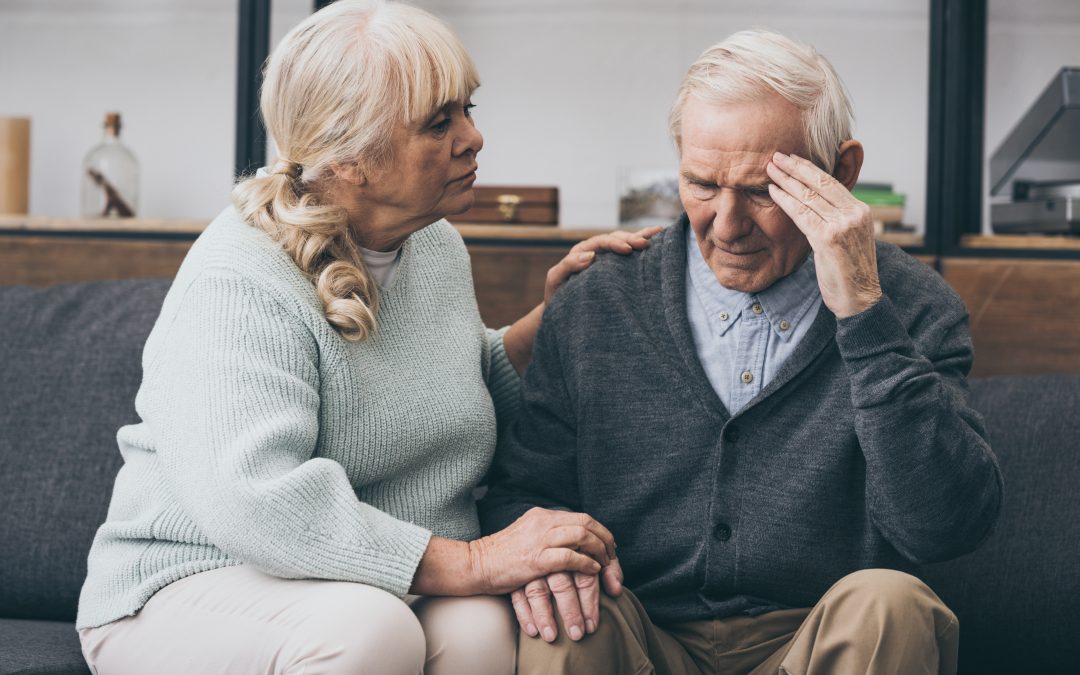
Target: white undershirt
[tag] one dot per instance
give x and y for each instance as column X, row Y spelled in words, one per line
column 381, row 264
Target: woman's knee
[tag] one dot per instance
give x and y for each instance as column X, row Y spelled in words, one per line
column 476, row 633
column 363, row 630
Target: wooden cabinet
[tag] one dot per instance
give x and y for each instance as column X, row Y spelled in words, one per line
column 1023, row 311
column 1024, row 317
column 509, row 263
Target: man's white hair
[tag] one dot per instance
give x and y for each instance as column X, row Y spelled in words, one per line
column 751, row 63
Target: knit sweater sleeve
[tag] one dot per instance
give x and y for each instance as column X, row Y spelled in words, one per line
column 536, row 459
column 933, row 486
column 502, row 379
column 232, row 395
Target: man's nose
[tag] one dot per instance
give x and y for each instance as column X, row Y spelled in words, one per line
column 730, row 218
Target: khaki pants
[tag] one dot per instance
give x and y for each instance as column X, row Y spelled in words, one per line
column 239, row 620
column 872, row 621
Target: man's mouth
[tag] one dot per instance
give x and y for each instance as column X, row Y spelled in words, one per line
column 738, row 252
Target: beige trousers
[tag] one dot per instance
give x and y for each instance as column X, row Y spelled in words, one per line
column 239, row 620
column 873, row 621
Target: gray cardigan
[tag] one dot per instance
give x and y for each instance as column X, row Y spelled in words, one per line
column 862, row 452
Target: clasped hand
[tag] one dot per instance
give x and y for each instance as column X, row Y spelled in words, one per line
column 577, row 599
column 550, row 553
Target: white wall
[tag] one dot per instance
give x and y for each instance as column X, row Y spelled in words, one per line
column 573, row 90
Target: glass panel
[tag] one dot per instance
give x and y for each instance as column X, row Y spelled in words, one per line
column 168, row 66
column 1032, row 116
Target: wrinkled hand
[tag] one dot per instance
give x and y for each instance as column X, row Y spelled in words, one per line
column 838, row 227
column 540, row 542
column 577, row 598
column 584, row 252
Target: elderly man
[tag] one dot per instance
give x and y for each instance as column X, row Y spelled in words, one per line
column 767, row 408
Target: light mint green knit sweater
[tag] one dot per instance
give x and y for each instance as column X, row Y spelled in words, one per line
column 267, row 439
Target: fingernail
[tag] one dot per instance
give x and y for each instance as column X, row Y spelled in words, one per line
column 590, row 627
column 584, row 257
column 530, row 630
column 549, row 635
column 779, row 156
column 575, row 633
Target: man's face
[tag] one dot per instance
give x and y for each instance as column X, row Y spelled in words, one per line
column 746, row 239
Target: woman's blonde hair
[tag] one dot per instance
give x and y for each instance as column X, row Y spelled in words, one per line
column 334, row 90
column 751, row 63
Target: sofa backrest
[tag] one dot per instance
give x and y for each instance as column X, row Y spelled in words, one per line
column 1018, row 596
column 70, row 364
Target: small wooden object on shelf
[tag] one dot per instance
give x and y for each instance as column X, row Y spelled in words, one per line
column 513, row 205
column 14, row 164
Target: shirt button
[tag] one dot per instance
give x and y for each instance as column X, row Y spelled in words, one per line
column 747, row 377
column 723, row 532
column 757, row 308
column 784, row 325
column 731, row 434
column 724, row 316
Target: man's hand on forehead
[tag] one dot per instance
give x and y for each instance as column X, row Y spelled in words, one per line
column 838, row 227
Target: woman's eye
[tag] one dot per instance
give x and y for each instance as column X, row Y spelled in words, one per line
column 441, row 127
column 468, row 109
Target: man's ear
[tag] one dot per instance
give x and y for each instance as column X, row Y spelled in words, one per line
column 350, row 173
column 848, row 163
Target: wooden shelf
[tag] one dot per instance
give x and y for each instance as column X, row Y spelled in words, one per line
column 1021, row 241
column 118, row 226
column 469, row 231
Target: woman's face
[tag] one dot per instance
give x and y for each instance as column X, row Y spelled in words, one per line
column 431, row 173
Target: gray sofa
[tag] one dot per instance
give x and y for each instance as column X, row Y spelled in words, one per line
column 70, row 366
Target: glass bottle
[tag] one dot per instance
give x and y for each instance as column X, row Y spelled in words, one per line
column 110, row 176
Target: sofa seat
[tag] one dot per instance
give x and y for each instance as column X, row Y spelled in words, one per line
column 32, row 647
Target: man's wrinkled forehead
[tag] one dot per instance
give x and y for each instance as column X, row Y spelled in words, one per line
column 740, row 138
column 731, row 168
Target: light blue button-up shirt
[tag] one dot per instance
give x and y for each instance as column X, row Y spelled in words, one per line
column 742, row 339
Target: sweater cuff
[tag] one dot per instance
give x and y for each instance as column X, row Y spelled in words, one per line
column 503, row 381
column 411, row 543
column 872, row 332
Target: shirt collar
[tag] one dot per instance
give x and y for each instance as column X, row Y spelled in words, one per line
column 785, row 303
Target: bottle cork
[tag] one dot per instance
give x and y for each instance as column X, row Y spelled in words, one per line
column 112, row 123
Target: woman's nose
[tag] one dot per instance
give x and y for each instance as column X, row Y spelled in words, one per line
column 469, row 141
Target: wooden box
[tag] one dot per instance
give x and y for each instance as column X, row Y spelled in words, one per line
column 513, row 205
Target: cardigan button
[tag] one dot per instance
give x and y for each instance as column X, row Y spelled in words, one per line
column 731, row 433
column 723, row 532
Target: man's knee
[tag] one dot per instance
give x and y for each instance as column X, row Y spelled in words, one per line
column 619, row 635
column 892, row 594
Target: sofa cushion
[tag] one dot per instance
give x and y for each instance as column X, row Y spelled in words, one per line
column 71, row 364
column 1018, row 596
column 40, row 648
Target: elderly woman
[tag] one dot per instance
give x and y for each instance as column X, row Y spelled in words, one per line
column 320, row 397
